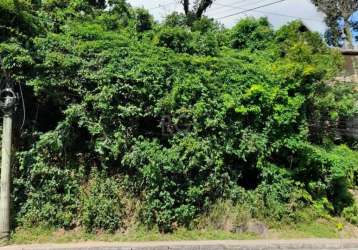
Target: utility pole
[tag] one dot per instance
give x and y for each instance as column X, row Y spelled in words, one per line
column 8, row 100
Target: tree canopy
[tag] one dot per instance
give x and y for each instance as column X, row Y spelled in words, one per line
column 336, row 11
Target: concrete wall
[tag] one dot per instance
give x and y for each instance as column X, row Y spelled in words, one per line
column 352, row 128
column 350, row 73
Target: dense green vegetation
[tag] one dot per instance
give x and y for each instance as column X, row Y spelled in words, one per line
column 131, row 121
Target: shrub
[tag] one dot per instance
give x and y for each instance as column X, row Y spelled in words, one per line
column 331, row 174
column 107, row 87
column 278, row 198
column 46, row 188
column 178, row 181
column 101, row 206
column 205, row 25
column 177, row 39
column 182, row 40
column 351, row 214
column 224, row 215
column 252, row 34
column 176, row 19
column 144, row 20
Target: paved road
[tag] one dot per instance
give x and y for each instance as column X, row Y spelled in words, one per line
column 309, row 244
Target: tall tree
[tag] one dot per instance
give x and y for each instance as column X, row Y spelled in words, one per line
column 335, row 11
column 354, row 21
column 197, row 10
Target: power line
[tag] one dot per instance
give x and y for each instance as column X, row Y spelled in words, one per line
column 283, row 15
column 244, row 11
column 238, row 6
column 272, row 13
column 252, row 9
column 163, row 5
column 221, row 6
column 248, row 4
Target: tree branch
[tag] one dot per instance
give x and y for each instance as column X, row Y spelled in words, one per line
column 202, row 6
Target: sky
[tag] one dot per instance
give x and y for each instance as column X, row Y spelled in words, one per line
column 278, row 14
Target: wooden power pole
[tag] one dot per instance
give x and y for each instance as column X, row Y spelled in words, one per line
column 7, row 104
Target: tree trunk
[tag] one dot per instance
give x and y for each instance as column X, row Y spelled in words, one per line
column 203, row 5
column 348, row 40
column 186, row 6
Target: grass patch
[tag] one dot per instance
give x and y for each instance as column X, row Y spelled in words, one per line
column 46, row 235
column 334, row 228
column 321, row 228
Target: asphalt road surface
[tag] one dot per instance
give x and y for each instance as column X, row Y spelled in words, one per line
column 308, row 244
